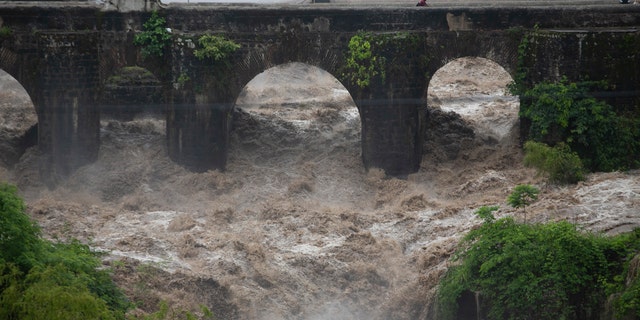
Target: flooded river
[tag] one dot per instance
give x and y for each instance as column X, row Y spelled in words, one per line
column 295, row 227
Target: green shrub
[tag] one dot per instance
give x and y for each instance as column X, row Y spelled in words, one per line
column 215, row 47
column 44, row 280
column 524, row 271
column 80, row 260
column 154, row 38
column 19, row 236
column 40, row 279
column 55, row 292
column 542, row 271
column 627, row 302
column 625, row 290
column 559, row 164
column 5, row 32
column 486, row 213
column 565, row 112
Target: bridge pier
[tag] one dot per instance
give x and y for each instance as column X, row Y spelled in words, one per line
column 68, row 135
column 392, row 135
column 67, row 77
column 63, row 53
column 198, row 135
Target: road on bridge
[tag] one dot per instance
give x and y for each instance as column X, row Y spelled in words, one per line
column 431, row 3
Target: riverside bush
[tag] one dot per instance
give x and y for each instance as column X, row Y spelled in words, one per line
column 627, row 301
column 625, row 290
column 565, row 112
column 40, row 279
column 19, row 236
column 536, row 271
column 558, row 163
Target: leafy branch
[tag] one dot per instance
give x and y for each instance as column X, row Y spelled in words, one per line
column 362, row 65
column 215, row 47
column 155, row 37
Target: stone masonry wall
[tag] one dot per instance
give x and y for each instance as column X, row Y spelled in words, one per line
column 63, row 54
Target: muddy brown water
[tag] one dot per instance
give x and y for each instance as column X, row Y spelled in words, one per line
column 295, row 227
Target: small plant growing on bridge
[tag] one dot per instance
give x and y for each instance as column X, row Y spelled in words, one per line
column 373, row 58
column 215, row 47
column 518, row 86
column 362, row 65
column 5, row 32
column 131, row 75
column 155, row 37
column 182, row 80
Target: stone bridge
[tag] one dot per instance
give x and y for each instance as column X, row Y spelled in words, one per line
column 67, row 54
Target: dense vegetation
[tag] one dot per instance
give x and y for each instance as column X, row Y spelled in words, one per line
column 566, row 116
column 40, row 279
column 565, row 113
column 554, row 270
column 540, row 271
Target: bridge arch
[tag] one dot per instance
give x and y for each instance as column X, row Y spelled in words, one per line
column 297, row 109
column 318, row 50
column 475, row 88
column 498, row 47
column 62, row 63
column 19, row 121
column 298, row 77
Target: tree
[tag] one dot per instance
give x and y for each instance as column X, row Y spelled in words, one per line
column 522, row 196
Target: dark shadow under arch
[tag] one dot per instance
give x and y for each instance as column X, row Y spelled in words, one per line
column 129, row 92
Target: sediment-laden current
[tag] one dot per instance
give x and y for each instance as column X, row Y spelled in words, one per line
column 295, row 227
